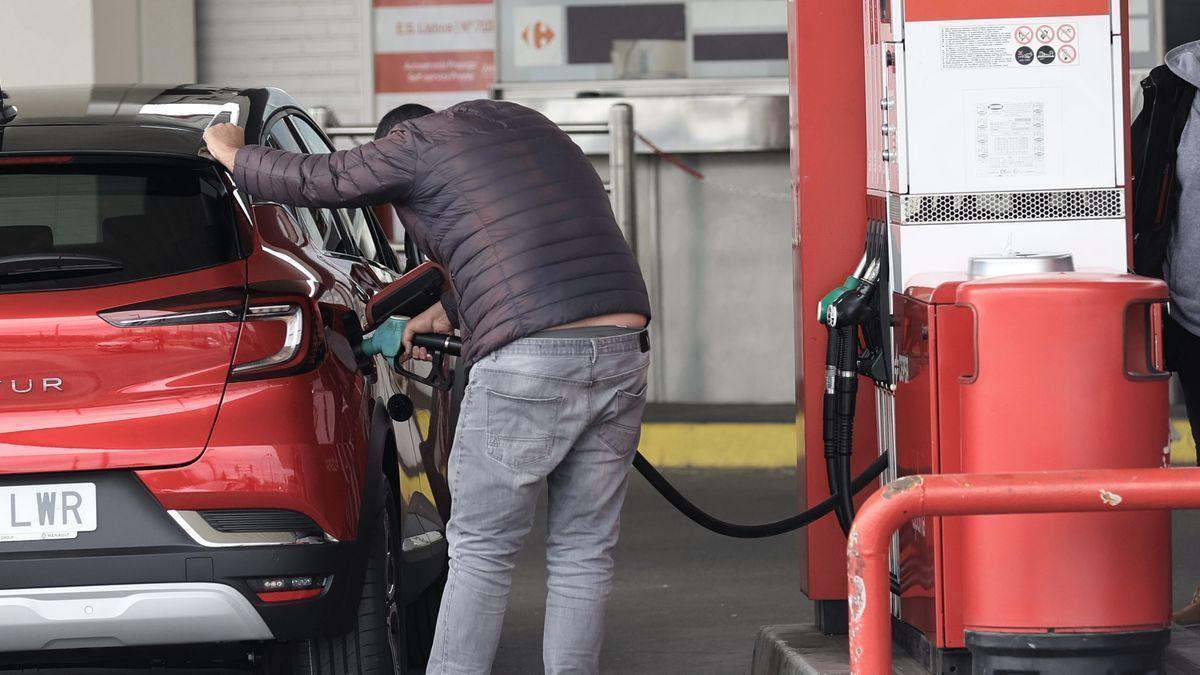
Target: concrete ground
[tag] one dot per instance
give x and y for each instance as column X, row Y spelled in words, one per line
column 1186, row 544
column 684, row 600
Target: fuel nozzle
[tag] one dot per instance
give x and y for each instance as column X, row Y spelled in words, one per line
column 853, row 306
column 850, row 303
column 387, row 339
column 843, row 311
column 850, row 285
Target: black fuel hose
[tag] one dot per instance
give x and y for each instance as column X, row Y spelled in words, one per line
column 708, row 522
column 846, row 386
column 764, row 530
column 829, row 428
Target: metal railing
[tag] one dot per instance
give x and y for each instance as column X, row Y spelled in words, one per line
column 902, row 500
column 621, row 160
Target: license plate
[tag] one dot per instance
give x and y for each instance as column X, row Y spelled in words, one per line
column 33, row 512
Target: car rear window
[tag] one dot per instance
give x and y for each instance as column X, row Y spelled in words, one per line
column 74, row 223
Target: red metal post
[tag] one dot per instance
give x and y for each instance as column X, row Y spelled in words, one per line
column 980, row 494
column 829, row 177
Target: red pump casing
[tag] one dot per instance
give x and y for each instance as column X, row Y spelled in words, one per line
column 1032, row 373
column 1068, row 375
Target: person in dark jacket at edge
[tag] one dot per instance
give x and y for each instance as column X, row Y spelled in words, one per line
column 552, row 309
column 1166, row 220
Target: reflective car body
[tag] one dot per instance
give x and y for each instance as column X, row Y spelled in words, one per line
column 211, row 392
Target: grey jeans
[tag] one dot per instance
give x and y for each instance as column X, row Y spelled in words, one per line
column 567, row 411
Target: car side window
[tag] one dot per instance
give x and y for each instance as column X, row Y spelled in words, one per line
column 358, row 224
column 387, row 253
column 367, row 236
column 331, row 235
column 413, row 256
column 280, row 139
column 319, row 225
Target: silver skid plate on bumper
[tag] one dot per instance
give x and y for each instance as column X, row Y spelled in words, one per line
column 126, row 616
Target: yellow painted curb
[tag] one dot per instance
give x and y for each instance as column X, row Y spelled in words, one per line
column 719, row 445
column 773, row 446
column 1183, row 446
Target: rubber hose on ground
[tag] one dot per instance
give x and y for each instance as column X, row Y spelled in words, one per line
column 708, row 522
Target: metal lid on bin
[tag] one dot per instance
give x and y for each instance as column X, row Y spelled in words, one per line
column 984, row 266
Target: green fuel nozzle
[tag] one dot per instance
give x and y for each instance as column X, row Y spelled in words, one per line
column 850, row 302
column 388, row 339
column 834, row 296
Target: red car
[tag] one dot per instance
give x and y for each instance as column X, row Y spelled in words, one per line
column 193, row 450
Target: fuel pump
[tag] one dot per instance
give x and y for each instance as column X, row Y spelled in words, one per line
column 996, row 188
column 850, row 313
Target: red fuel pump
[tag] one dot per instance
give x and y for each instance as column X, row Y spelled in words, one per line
column 991, row 131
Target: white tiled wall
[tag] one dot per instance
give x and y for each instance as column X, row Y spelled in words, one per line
column 317, row 50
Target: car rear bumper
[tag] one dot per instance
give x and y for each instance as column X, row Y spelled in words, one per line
column 138, row 545
column 126, row 616
column 194, row 567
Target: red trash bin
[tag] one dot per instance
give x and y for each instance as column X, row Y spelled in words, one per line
column 1068, row 375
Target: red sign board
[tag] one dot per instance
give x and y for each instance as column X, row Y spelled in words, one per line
column 434, row 71
column 435, row 52
column 958, row 10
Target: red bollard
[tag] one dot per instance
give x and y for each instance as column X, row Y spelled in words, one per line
column 981, row 494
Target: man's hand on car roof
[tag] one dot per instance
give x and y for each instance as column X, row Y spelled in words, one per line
column 224, row 140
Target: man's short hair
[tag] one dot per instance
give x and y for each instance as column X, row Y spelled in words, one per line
column 399, row 115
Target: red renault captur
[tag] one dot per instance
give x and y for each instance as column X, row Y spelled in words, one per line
column 192, row 448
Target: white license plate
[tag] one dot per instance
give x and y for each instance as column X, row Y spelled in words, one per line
column 32, row 512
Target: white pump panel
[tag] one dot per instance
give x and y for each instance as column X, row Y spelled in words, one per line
column 1004, row 132
column 980, row 121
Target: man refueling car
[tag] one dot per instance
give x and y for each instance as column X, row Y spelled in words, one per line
column 552, row 309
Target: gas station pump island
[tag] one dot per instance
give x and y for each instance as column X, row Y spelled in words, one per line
column 994, row 316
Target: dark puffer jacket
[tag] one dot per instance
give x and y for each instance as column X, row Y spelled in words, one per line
column 498, row 195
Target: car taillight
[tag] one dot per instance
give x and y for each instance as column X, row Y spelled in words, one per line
column 224, row 305
column 280, row 334
column 36, row 159
column 279, row 337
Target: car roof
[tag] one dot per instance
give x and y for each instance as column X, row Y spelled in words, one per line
column 142, row 118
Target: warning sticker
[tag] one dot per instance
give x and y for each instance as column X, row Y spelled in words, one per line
column 1010, row 139
column 965, row 47
column 1008, row 46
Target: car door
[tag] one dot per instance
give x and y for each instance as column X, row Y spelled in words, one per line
column 437, row 408
column 370, row 264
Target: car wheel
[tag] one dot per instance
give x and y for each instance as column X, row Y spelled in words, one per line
column 376, row 643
